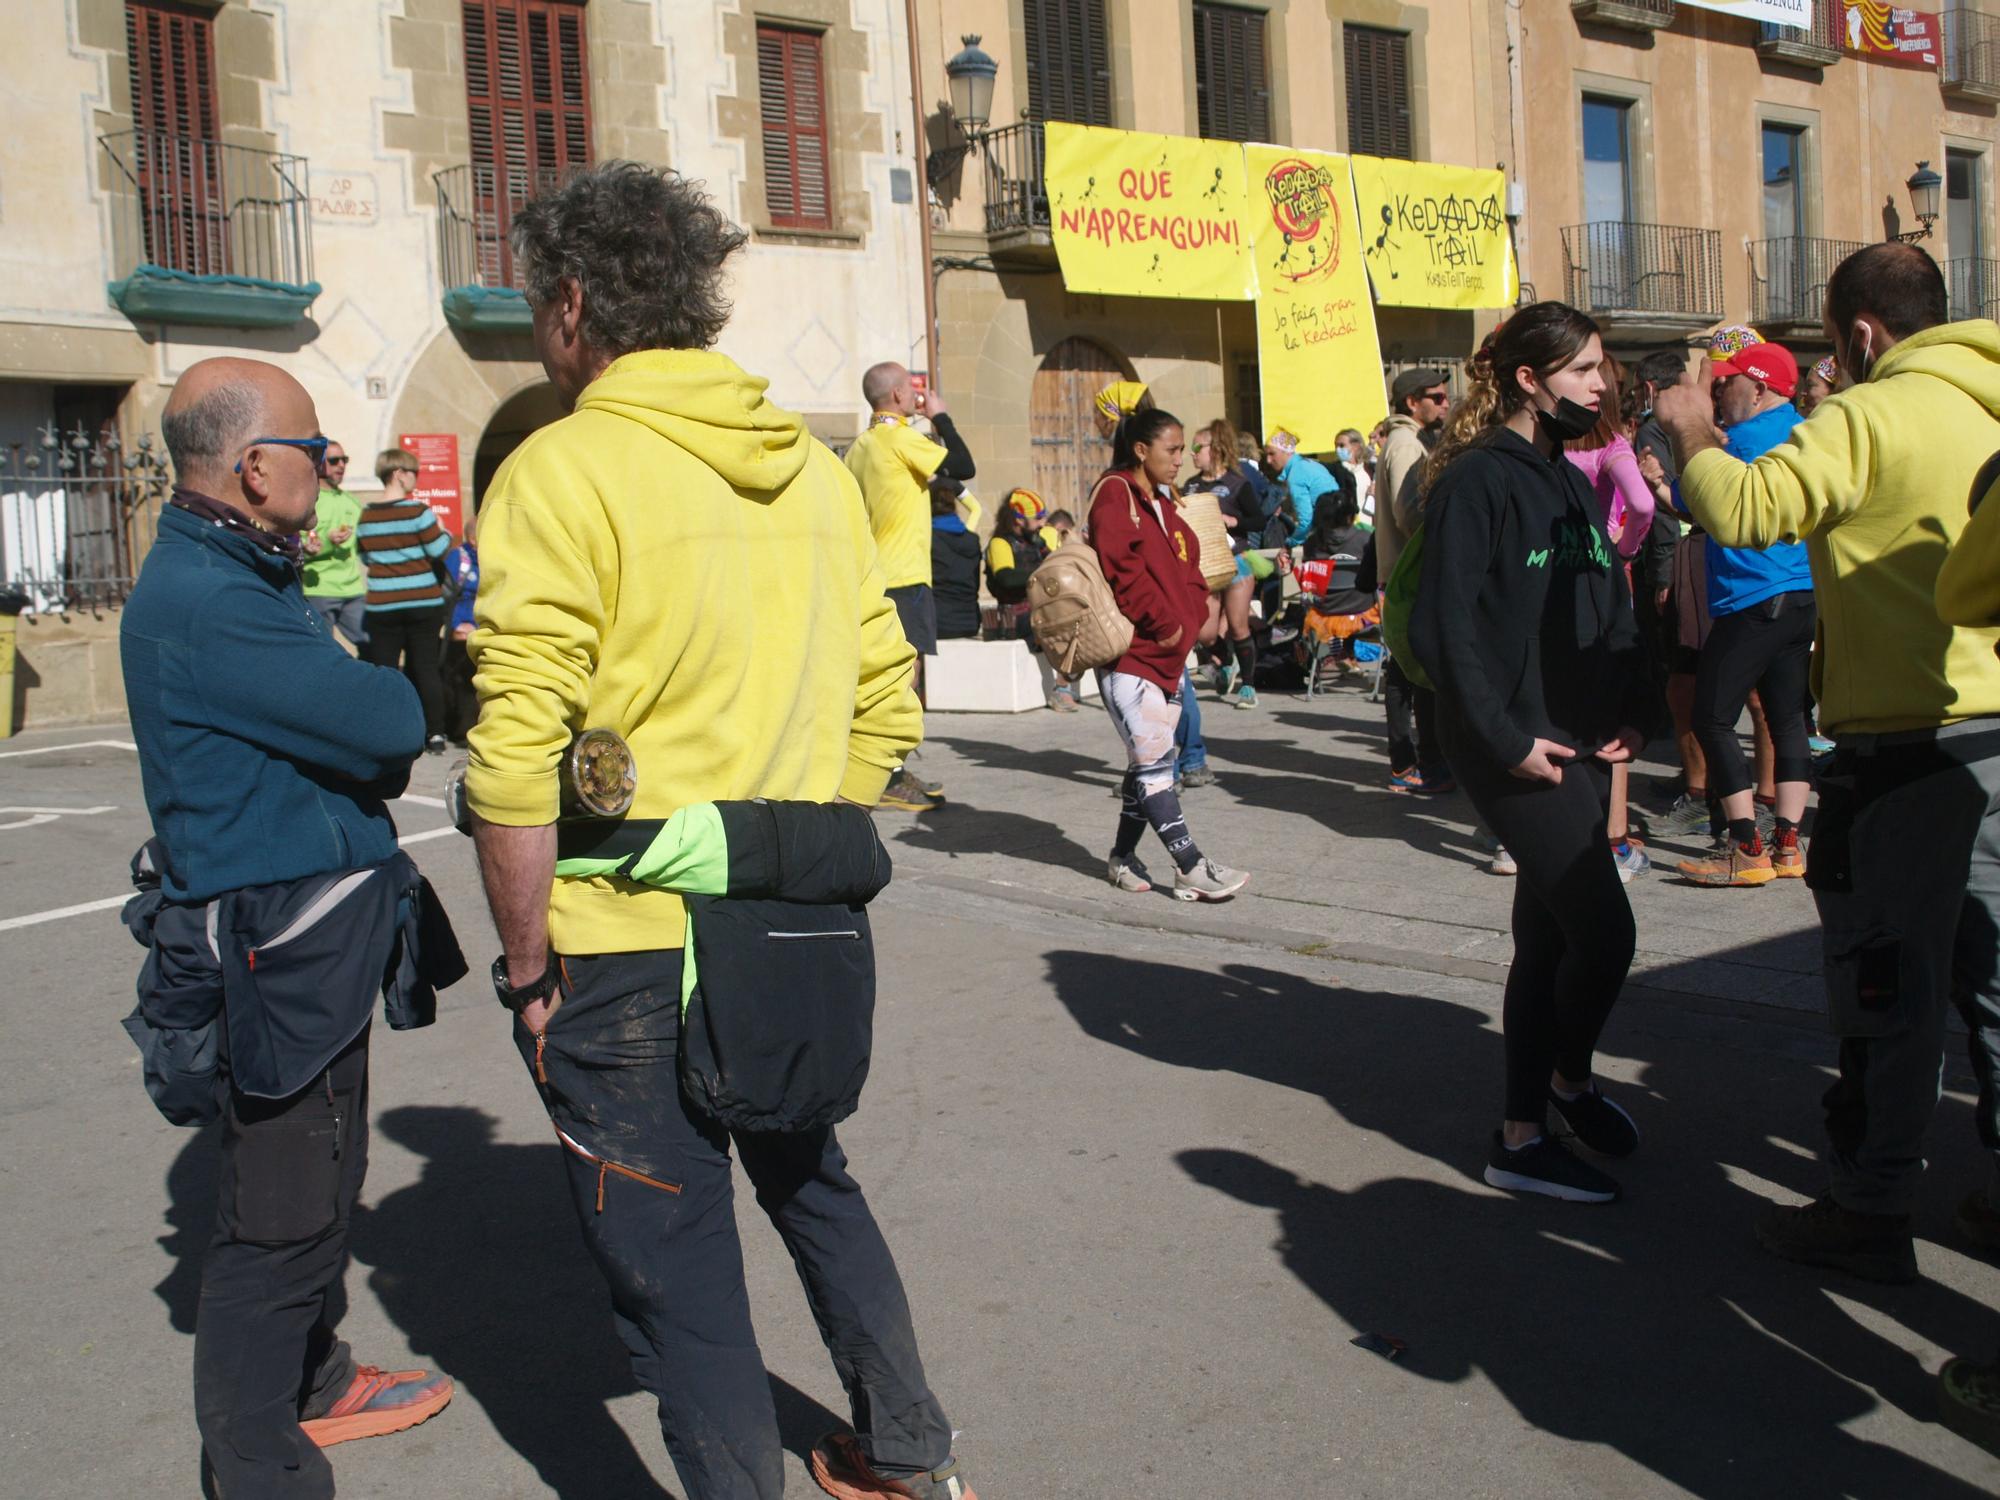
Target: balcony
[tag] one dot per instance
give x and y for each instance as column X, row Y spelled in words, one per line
column 1974, row 288
column 1788, row 281
column 482, row 281
column 207, row 233
column 1626, row 15
column 1017, row 198
column 1644, row 279
column 1970, row 67
column 1814, row 46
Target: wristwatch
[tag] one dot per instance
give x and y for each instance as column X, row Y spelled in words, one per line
column 539, row 988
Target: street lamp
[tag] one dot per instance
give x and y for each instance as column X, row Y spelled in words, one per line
column 970, row 74
column 1924, row 187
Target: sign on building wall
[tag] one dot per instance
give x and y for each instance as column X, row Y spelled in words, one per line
column 1319, row 360
column 1137, row 215
column 344, row 198
column 1435, row 236
column 1890, row 34
column 437, row 475
column 1798, row 13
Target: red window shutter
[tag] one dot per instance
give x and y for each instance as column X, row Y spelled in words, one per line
column 791, row 103
column 527, row 92
column 177, row 158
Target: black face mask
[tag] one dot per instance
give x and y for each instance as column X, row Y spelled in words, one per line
column 1567, row 422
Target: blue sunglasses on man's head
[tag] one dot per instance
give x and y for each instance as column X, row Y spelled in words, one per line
column 315, row 447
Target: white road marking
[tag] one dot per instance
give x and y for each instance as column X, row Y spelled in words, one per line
column 437, row 802
column 33, row 919
column 36, row 816
column 79, row 745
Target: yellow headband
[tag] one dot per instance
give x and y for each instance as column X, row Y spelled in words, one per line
column 1120, row 398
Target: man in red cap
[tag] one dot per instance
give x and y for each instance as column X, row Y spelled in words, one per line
column 1761, row 603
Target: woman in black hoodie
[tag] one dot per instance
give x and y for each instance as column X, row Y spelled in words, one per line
column 1521, row 622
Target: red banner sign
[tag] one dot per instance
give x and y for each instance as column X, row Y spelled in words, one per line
column 437, row 475
column 1890, row 34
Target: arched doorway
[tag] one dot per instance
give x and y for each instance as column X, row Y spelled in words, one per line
column 520, row 414
column 1062, row 420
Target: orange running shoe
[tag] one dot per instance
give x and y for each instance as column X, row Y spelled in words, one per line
column 1729, row 864
column 380, row 1402
column 841, row 1469
column 1788, row 860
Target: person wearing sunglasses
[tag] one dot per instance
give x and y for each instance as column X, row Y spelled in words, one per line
column 403, row 548
column 330, row 560
column 267, row 755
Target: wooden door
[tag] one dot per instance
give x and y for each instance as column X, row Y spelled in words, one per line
column 1062, row 422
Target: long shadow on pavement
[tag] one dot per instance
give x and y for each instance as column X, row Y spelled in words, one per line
column 960, row 828
column 1654, row 1326
column 480, row 1265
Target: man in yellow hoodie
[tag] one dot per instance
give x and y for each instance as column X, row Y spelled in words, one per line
column 679, row 561
column 1905, row 859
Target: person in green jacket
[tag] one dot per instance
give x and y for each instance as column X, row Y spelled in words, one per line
column 1905, row 860
column 329, row 556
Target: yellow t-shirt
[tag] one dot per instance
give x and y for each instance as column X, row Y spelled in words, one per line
column 893, row 463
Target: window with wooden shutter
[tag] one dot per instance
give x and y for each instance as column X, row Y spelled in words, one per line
column 1378, row 91
column 791, row 97
column 1069, row 61
column 176, row 156
column 527, row 94
column 1232, row 77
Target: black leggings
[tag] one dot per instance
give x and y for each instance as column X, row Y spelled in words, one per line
column 1767, row 647
column 411, row 639
column 1573, row 931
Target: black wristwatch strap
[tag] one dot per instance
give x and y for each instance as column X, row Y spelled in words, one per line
column 540, row 988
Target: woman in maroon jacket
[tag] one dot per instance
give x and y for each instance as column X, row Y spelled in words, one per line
column 1151, row 560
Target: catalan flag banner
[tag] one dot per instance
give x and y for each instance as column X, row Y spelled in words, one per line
column 1136, row 215
column 1319, row 360
column 1889, row 34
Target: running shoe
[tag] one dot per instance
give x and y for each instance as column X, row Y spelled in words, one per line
column 1546, row 1166
column 1246, row 696
column 906, row 794
column 1788, row 860
column 436, row 745
column 841, row 1469
column 1876, row 1247
column 1198, row 777
column 1208, row 881
column 1631, row 859
column 1969, row 1402
column 1687, row 818
column 1225, row 681
column 1597, row 1122
column 1128, row 874
column 1062, row 700
column 1406, row 781
column 1502, row 862
column 1818, row 745
column 378, row 1402
column 1729, row 863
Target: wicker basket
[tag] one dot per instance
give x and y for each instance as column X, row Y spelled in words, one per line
column 1203, row 514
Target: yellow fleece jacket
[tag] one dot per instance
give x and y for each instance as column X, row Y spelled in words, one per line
column 1968, row 586
column 678, row 560
column 1875, row 483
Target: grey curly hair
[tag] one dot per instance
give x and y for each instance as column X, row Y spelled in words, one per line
column 647, row 246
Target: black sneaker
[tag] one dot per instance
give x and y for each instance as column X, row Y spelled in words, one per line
column 1875, row 1247
column 1546, row 1166
column 1597, row 1122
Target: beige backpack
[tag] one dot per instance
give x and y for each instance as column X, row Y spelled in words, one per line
column 1073, row 612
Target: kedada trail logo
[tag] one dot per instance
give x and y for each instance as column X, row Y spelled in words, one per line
column 1306, row 211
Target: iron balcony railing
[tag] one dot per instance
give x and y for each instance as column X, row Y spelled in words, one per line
column 1017, row 197
column 476, row 207
column 1659, row 270
column 1817, row 45
column 203, row 208
column 1627, row 15
column 77, row 517
column 1971, row 61
column 1788, row 277
column 1974, row 288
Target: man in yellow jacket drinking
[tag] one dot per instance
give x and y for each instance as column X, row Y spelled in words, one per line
column 1905, row 859
column 678, row 561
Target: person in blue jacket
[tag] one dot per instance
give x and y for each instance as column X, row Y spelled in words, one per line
column 1305, row 478
column 268, row 755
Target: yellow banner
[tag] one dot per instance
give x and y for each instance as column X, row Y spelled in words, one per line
column 1436, row 235
column 1148, row 215
column 1319, row 361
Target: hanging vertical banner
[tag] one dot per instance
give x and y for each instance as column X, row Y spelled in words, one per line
column 1318, row 358
column 1435, row 236
column 1890, row 34
column 437, row 475
column 1147, row 215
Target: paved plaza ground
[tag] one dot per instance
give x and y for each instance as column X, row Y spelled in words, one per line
column 1147, row 1168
